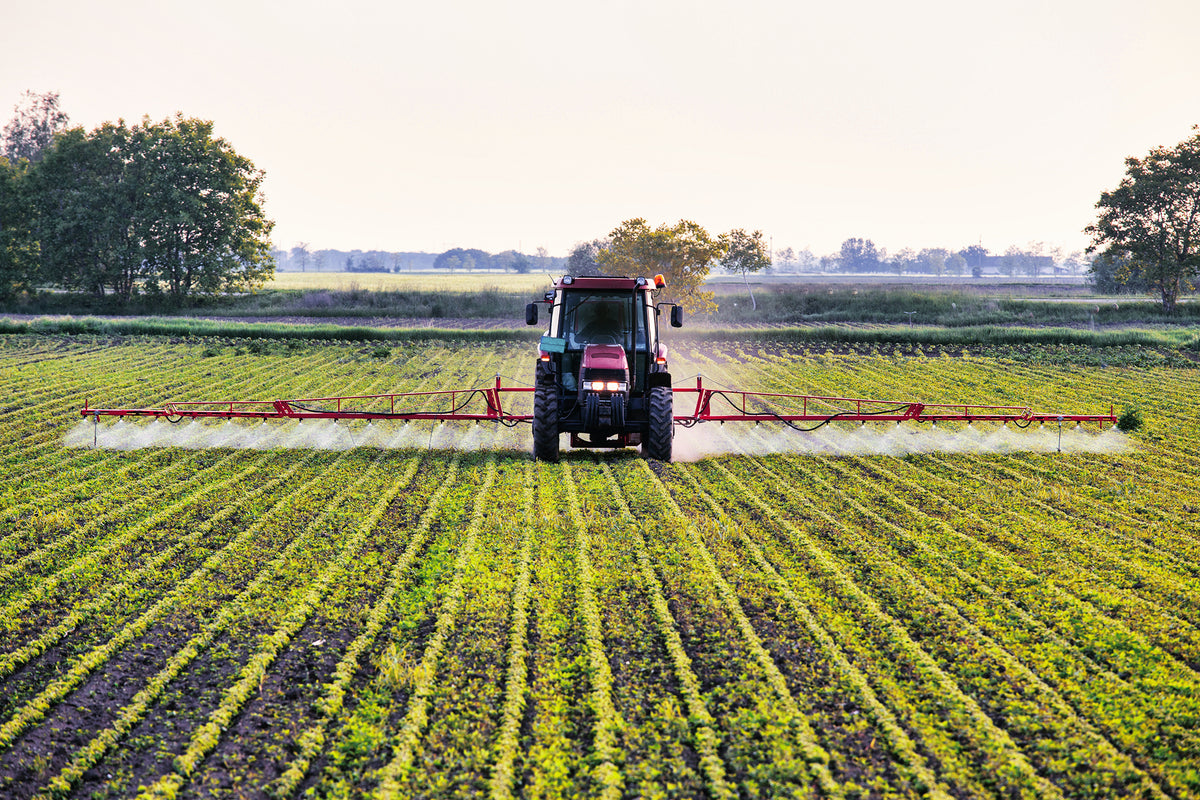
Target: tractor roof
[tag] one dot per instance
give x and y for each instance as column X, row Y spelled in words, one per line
column 588, row 282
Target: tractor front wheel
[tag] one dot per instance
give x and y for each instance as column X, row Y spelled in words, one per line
column 545, row 422
column 662, row 424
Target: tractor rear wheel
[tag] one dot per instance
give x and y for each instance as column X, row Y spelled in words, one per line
column 662, row 424
column 545, row 422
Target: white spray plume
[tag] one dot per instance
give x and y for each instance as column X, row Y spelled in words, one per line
column 691, row 444
column 704, row 440
column 309, row 434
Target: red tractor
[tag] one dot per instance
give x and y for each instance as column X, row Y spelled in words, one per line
column 602, row 371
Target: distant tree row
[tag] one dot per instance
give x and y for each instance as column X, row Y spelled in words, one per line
column 863, row 256
column 469, row 260
column 302, row 258
column 158, row 208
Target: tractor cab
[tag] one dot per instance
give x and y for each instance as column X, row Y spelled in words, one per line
column 599, row 363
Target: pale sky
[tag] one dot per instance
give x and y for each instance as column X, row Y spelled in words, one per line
column 397, row 126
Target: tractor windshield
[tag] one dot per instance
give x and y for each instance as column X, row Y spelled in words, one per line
column 603, row 318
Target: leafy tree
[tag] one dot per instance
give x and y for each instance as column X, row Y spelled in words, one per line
column 302, row 255
column 974, row 257
column 164, row 205
column 1113, row 274
column 87, row 207
column 1013, row 258
column 205, row 231
column 32, row 129
column 859, row 255
column 905, row 260
column 1152, row 219
column 457, row 257
column 933, row 260
column 956, row 264
column 18, row 248
column 682, row 252
column 787, row 257
column 584, row 257
column 806, row 261
column 745, row 253
column 1075, row 262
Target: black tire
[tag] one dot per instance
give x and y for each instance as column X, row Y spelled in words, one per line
column 545, row 422
column 661, row 430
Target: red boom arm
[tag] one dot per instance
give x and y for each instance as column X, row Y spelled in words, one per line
column 730, row 406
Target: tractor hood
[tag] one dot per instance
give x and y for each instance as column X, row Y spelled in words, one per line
column 605, row 357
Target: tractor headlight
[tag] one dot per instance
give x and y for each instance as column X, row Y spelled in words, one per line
column 605, row 386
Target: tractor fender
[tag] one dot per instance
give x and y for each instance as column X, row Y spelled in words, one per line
column 659, row 379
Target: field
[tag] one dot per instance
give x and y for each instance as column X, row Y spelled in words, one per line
column 532, row 283
column 444, row 617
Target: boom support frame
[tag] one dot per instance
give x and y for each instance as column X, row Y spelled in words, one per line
column 711, row 405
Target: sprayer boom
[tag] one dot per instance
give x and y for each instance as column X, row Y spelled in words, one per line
column 463, row 405
column 731, row 405
column 710, row 405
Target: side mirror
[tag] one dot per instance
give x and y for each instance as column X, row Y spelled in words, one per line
column 531, row 314
column 676, row 316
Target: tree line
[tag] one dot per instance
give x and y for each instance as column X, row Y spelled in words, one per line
column 157, row 208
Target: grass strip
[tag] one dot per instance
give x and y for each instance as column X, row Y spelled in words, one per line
column 981, row 335
column 176, row 327
column 927, row 335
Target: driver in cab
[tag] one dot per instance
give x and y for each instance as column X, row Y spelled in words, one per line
column 603, row 326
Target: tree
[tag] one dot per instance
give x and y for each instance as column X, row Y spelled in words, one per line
column 301, row 254
column 1111, row 274
column 806, row 261
column 1012, row 260
column 787, row 257
column 457, row 257
column 1152, row 219
column 164, row 206
column 682, row 252
column 205, row 230
column 974, row 257
column 86, row 206
column 18, row 248
column 33, row 127
column 584, row 257
column 745, row 253
column 956, row 264
column 1074, row 262
column 859, row 255
column 933, row 260
column 904, row 260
